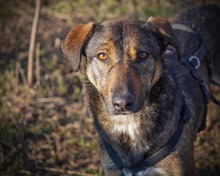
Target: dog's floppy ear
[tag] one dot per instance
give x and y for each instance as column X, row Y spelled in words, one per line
column 74, row 43
column 165, row 31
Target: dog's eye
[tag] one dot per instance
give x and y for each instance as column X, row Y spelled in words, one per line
column 143, row 55
column 102, row 56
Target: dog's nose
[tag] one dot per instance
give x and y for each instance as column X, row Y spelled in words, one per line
column 123, row 103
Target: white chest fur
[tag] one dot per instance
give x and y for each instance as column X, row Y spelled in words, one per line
column 125, row 124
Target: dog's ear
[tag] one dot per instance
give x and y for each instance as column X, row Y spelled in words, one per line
column 75, row 42
column 165, row 31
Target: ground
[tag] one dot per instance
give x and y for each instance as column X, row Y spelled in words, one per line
column 45, row 128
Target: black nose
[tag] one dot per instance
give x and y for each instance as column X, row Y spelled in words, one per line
column 123, row 103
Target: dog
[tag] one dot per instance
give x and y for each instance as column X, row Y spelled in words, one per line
column 147, row 104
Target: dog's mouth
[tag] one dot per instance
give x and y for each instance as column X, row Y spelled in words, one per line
column 122, row 113
column 134, row 110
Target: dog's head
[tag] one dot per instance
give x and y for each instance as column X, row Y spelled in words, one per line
column 123, row 59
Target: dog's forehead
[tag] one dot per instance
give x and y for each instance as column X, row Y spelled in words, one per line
column 125, row 26
column 118, row 22
column 125, row 31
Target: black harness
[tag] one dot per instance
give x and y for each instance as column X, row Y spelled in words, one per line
column 192, row 63
column 185, row 66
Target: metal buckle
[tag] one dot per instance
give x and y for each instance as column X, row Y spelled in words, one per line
column 197, row 60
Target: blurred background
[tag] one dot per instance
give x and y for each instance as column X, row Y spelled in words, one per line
column 45, row 128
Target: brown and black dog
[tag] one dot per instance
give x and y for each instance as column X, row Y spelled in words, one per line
column 135, row 97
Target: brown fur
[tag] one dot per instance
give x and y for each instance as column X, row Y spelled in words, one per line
column 74, row 43
column 136, row 102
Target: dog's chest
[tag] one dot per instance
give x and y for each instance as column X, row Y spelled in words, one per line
column 125, row 125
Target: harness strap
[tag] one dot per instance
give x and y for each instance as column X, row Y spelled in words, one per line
column 182, row 70
column 198, row 56
column 194, row 62
column 200, row 53
column 183, row 27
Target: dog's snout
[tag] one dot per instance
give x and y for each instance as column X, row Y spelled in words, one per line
column 122, row 104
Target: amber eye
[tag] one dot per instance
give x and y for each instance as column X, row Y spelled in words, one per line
column 143, row 55
column 102, row 56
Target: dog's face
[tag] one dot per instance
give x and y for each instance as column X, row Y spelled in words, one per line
column 123, row 64
column 123, row 59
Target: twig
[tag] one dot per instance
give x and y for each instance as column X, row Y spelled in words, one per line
column 37, row 64
column 58, row 100
column 63, row 171
column 32, row 42
column 16, row 72
column 50, row 102
column 21, row 71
